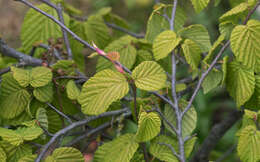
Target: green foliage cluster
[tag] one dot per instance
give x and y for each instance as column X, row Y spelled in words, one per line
column 26, row 92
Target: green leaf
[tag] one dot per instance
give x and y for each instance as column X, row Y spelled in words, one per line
column 45, row 93
column 149, row 125
column 157, row 23
column 14, row 153
column 240, row 82
column 40, row 76
column 96, row 31
column 245, row 41
column 11, row 136
column 41, row 117
column 164, row 43
column 72, row 90
column 249, row 144
column 37, row 27
column 164, row 153
column 199, row 34
column 54, row 121
column 67, row 154
column 28, row 158
column 2, row 155
column 29, row 134
column 101, row 90
column 212, row 80
column 254, row 102
column 125, row 47
column 199, row 5
column 189, row 121
column 11, row 91
column 235, row 13
column 224, row 69
column 149, row 76
column 210, row 56
column 21, row 76
column 226, row 28
column 192, row 53
column 120, row 149
column 143, row 55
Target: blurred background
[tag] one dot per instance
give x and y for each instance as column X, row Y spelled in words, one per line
column 211, row 108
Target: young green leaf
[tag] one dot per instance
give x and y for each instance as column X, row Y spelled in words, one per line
column 240, row 82
column 11, row 136
column 157, row 23
column 199, row 34
column 224, row 69
column 212, row 80
column 72, row 90
column 45, row 93
column 28, row 158
column 37, row 27
column 29, row 134
column 189, row 121
column 21, row 76
column 40, row 76
column 2, row 155
column 249, row 144
column 66, row 154
column 11, row 91
column 254, row 101
column 245, row 41
column 192, row 53
column 226, row 28
column 149, row 76
column 41, row 117
column 164, row 43
column 199, row 5
column 120, row 149
column 235, row 13
column 149, row 125
column 101, row 90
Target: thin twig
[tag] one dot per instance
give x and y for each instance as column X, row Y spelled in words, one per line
column 172, row 149
column 74, row 125
column 227, row 153
column 59, row 112
column 55, row 52
column 114, row 26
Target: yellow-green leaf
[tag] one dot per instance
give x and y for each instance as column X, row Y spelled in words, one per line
column 2, row 155
column 224, row 69
column 41, row 117
column 235, row 13
column 157, row 23
column 67, row 154
column 149, row 76
column 29, row 134
column 120, row 149
column 199, row 5
column 21, row 76
column 212, row 80
column 72, row 90
column 126, row 49
column 249, row 144
column 199, row 34
column 37, row 27
column 13, row 99
column 44, row 94
column 11, row 136
column 189, row 121
column 101, row 90
column 28, row 158
column 40, row 76
column 164, row 43
column 149, row 125
column 192, row 53
column 254, row 102
column 240, row 82
column 245, row 40
column 226, row 28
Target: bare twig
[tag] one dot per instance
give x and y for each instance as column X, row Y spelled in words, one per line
column 172, row 149
column 55, row 52
column 59, row 112
column 114, row 26
column 74, row 125
column 227, row 153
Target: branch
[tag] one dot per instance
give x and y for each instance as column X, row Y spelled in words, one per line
column 216, row 133
column 74, row 125
column 59, row 112
column 55, row 52
column 114, row 26
column 21, row 57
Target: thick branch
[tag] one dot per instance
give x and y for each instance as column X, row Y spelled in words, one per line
column 21, row 57
column 216, row 133
column 74, row 125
